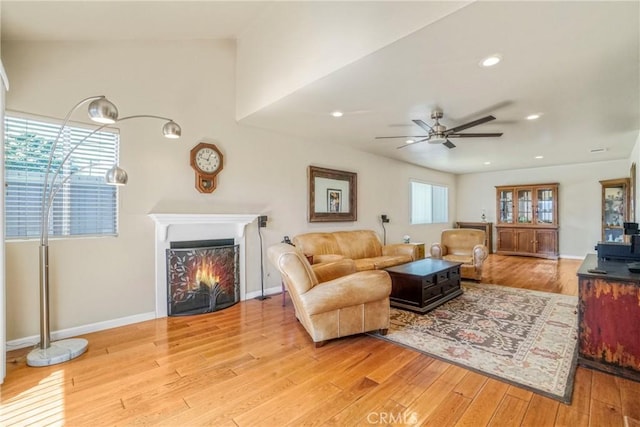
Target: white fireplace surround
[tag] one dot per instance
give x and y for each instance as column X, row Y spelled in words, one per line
column 172, row 227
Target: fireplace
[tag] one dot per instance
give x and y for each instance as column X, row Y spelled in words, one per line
column 202, row 276
column 177, row 227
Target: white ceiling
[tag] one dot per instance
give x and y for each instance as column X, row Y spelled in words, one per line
column 575, row 63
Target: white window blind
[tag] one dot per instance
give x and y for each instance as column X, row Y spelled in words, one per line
column 85, row 205
column 429, row 203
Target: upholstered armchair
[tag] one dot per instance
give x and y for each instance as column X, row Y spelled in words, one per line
column 463, row 245
column 333, row 300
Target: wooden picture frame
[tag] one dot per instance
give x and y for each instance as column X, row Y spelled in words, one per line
column 332, row 195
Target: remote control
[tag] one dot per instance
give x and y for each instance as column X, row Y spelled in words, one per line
column 596, row 270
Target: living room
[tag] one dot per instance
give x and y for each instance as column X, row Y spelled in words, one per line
column 208, row 88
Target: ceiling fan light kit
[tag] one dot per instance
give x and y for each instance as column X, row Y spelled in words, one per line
column 439, row 134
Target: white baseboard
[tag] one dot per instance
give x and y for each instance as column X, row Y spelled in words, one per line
column 108, row 324
column 80, row 330
column 571, row 256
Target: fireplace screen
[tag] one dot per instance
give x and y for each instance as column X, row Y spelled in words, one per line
column 202, row 280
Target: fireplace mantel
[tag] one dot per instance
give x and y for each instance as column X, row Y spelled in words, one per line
column 165, row 220
column 196, row 226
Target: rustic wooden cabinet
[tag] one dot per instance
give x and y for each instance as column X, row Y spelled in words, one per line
column 615, row 208
column 609, row 318
column 527, row 220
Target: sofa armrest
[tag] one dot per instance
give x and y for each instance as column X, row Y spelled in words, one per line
column 480, row 253
column 438, row 250
column 401, row 249
column 355, row 289
column 332, row 270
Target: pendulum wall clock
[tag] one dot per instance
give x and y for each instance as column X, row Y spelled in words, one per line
column 207, row 162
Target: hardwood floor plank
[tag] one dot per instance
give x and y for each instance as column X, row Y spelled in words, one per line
column 449, row 411
column 510, row 412
column 541, row 411
column 254, row 363
column 605, row 415
column 471, row 384
column 484, row 405
column 605, row 388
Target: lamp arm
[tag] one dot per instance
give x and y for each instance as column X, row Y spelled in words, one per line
column 46, row 207
column 46, row 185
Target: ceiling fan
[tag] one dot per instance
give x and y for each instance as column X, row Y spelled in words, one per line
column 439, row 134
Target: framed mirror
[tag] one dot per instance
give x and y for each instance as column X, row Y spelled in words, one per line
column 332, row 195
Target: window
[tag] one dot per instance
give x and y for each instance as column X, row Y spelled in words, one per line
column 85, row 205
column 429, row 203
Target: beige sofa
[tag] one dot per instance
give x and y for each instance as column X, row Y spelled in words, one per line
column 333, row 300
column 362, row 246
column 463, row 245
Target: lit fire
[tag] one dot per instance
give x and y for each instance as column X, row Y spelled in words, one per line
column 206, row 275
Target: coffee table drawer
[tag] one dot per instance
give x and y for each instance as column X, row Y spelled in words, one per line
column 431, row 293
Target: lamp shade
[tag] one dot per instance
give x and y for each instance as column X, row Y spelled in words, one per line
column 116, row 176
column 171, row 130
column 103, row 111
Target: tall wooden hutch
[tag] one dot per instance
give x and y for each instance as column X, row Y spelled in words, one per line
column 615, row 209
column 527, row 220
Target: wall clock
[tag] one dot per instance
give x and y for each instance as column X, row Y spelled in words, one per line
column 207, row 162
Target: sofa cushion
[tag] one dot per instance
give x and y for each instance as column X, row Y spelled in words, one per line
column 358, row 244
column 317, row 243
column 465, row 259
column 460, row 241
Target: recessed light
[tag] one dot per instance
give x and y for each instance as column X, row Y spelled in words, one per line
column 487, row 163
column 490, row 61
column 533, row 116
column 410, row 141
column 539, row 157
column 337, row 114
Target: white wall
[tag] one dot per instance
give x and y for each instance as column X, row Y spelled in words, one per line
column 292, row 45
column 99, row 280
column 580, row 194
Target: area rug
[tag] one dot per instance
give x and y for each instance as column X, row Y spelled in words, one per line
column 525, row 338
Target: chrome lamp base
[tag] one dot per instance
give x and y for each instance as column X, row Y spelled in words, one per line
column 59, row 352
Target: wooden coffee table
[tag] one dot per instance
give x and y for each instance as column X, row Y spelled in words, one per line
column 425, row 284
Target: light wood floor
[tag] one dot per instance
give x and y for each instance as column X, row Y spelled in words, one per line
column 253, row 364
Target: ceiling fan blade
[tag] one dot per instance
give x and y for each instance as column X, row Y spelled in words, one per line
column 449, row 144
column 471, row 124
column 473, row 135
column 423, row 125
column 406, row 136
column 413, row 143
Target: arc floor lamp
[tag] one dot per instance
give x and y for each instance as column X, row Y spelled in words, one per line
column 101, row 111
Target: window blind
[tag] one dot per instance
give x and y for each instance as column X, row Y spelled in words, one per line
column 84, row 205
column 429, row 203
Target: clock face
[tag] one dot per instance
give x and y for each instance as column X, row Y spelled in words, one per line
column 207, row 160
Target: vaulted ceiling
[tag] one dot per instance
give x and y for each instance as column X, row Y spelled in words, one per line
column 575, row 64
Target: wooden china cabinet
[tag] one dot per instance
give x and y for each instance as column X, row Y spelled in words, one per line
column 615, row 209
column 527, row 220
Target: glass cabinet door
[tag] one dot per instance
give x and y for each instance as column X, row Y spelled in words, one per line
column 545, row 206
column 505, row 208
column 525, row 206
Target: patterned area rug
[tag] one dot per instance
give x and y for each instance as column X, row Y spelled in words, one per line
column 526, row 338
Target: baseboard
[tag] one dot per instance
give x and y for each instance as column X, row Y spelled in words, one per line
column 80, row 330
column 571, row 256
column 108, row 324
column 268, row 291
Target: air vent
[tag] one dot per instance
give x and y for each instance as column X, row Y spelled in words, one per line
column 597, row 150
